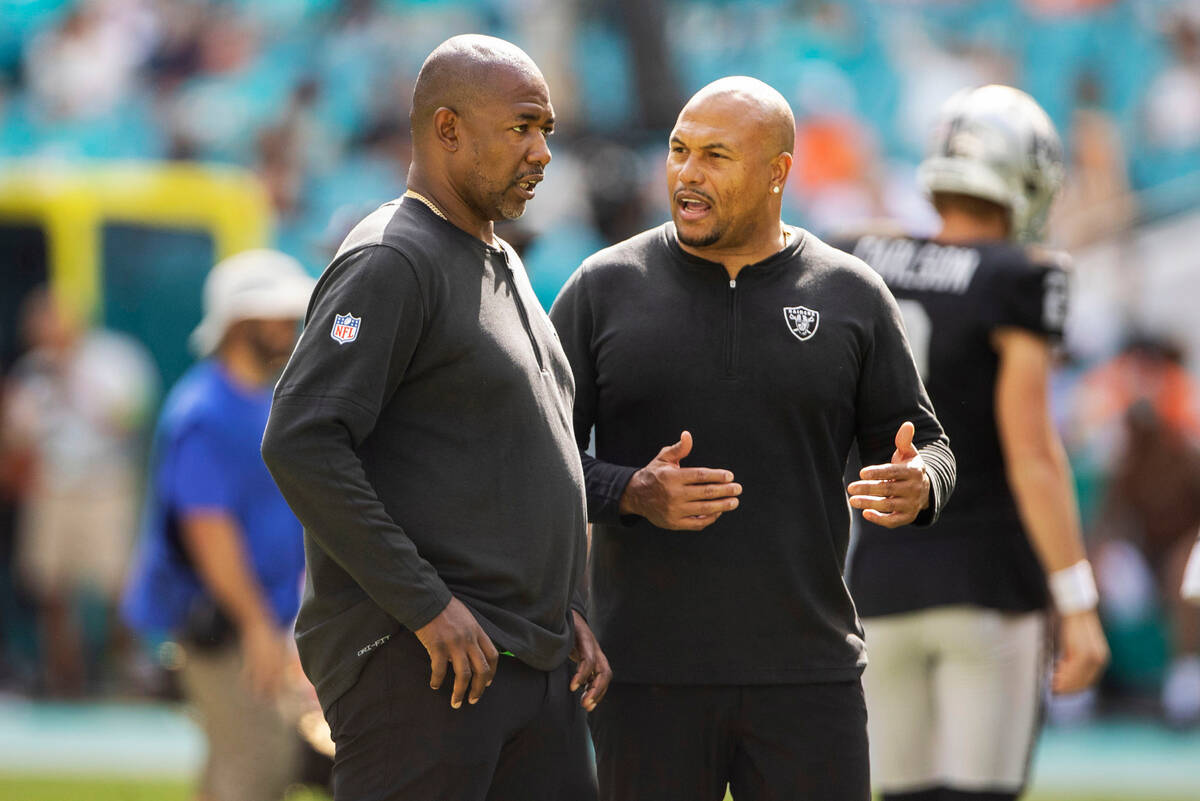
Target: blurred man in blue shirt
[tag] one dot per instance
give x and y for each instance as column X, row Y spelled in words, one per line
column 222, row 556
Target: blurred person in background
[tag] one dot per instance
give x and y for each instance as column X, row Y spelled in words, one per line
column 74, row 419
column 86, row 66
column 1145, row 404
column 957, row 615
column 1171, row 113
column 1095, row 203
column 18, row 641
column 221, row 558
column 835, row 170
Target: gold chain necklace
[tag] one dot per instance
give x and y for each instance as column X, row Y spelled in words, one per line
column 429, row 203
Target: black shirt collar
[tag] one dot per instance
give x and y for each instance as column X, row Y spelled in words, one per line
column 420, row 209
column 786, row 254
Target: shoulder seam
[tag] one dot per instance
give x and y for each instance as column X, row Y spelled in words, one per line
column 407, row 261
column 366, row 245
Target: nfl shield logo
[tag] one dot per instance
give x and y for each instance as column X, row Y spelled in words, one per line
column 345, row 328
column 801, row 321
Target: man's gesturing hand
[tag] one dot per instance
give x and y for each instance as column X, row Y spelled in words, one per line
column 454, row 639
column 679, row 498
column 893, row 494
column 593, row 673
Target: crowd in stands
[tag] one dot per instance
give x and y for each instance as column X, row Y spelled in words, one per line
column 313, row 95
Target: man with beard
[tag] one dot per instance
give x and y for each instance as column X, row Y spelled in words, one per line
column 422, row 434
column 221, row 554
column 717, row 586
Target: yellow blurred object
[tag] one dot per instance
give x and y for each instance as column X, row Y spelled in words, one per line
column 125, row 245
column 71, row 203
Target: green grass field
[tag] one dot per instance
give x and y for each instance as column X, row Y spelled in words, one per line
column 14, row 788
column 39, row 788
column 145, row 752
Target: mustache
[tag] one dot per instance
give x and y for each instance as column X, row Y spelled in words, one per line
column 696, row 192
column 525, row 176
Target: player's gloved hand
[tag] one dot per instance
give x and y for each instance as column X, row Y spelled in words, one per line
column 1082, row 652
column 892, row 495
column 679, row 498
column 593, row 673
column 454, row 639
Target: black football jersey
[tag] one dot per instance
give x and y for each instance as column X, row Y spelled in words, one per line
column 953, row 298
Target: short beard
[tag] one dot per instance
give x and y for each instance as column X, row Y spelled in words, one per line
column 711, row 238
column 497, row 202
column 510, row 211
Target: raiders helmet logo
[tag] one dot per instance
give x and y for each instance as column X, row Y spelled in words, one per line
column 801, row 321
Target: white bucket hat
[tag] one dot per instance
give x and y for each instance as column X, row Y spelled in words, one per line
column 252, row 285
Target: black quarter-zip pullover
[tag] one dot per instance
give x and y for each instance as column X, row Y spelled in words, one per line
column 422, row 434
column 776, row 375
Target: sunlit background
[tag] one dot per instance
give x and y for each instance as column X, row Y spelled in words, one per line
column 142, row 140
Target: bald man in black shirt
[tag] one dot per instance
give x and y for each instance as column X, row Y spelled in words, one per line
column 717, row 584
column 422, row 434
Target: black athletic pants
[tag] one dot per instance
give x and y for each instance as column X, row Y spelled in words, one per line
column 796, row 742
column 398, row 740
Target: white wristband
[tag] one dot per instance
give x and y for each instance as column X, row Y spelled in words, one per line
column 1191, row 576
column 1074, row 588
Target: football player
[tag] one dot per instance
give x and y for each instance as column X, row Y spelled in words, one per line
column 957, row 615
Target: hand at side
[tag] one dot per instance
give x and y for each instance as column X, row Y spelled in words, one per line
column 1082, row 652
column 593, row 672
column 454, row 639
column 264, row 657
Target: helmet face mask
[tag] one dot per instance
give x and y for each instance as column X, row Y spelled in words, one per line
column 996, row 143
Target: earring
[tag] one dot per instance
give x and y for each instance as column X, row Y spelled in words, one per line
column 775, row 189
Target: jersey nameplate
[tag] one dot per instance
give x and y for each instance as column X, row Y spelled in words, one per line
column 905, row 264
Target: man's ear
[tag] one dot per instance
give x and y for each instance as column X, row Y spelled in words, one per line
column 781, row 165
column 446, row 127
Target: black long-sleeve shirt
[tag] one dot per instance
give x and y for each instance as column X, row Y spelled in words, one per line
column 776, row 375
column 422, row 434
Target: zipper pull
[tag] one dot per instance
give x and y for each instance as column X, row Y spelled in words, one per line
column 733, row 283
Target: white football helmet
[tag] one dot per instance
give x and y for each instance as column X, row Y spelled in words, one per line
column 996, row 143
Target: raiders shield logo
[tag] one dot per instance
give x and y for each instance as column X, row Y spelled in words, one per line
column 801, row 321
column 345, row 328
